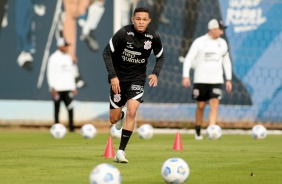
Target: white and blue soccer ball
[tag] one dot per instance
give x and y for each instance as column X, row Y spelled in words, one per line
column 259, row 132
column 175, row 170
column 114, row 132
column 58, row 131
column 88, row 131
column 214, row 132
column 105, row 174
column 146, row 131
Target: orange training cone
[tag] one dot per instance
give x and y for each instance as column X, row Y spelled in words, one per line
column 109, row 152
column 177, row 142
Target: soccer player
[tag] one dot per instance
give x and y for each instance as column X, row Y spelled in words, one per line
column 208, row 56
column 61, row 80
column 126, row 57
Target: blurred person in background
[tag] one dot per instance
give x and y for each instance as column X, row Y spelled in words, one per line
column 87, row 13
column 126, row 58
column 25, row 12
column 61, row 80
column 89, row 23
column 209, row 57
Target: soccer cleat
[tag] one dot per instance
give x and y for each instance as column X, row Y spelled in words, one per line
column 39, row 9
column 91, row 42
column 24, row 60
column 198, row 137
column 119, row 124
column 120, row 157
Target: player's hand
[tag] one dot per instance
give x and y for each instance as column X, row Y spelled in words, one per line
column 186, row 82
column 54, row 93
column 228, row 85
column 115, row 85
column 74, row 92
column 153, row 80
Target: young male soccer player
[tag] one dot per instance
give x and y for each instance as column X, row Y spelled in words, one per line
column 126, row 57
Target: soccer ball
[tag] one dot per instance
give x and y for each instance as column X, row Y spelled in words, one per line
column 88, row 131
column 214, row 132
column 114, row 132
column 175, row 170
column 58, row 130
column 259, row 132
column 146, row 131
column 105, row 173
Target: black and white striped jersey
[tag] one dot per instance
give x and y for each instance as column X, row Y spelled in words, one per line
column 126, row 55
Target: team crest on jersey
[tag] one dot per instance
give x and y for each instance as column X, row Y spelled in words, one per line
column 117, row 98
column 147, row 45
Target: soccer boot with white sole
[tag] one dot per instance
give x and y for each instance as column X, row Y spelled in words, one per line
column 198, row 137
column 119, row 124
column 120, row 157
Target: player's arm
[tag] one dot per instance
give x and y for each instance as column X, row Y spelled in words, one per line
column 227, row 66
column 51, row 73
column 190, row 57
column 114, row 42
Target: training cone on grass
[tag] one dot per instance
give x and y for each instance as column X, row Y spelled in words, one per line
column 177, row 142
column 109, row 152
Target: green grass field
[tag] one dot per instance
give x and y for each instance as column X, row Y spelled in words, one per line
column 36, row 157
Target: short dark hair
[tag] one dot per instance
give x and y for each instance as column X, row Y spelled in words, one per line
column 141, row 9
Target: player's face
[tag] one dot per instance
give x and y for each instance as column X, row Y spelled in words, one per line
column 141, row 21
column 216, row 33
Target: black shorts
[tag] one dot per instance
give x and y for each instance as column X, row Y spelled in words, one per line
column 204, row 92
column 129, row 90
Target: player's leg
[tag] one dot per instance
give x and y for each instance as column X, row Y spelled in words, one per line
column 199, row 118
column 214, row 103
column 117, row 117
column 57, row 101
column 133, row 93
column 215, row 94
column 73, row 9
column 117, row 101
column 2, row 13
column 24, row 15
column 199, row 93
column 95, row 12
column 132, row 106
column 68, row 100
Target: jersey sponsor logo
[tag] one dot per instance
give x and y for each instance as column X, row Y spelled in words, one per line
column 129, row 45
column 211, row 56
column 136, row 87
column 130, row 33
column 132, row 52
column 149, row 36
column 129, row 56
column 147, row 45
column 117, row 98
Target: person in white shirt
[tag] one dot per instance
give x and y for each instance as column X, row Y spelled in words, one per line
column 61, row 80
column 209, row 57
